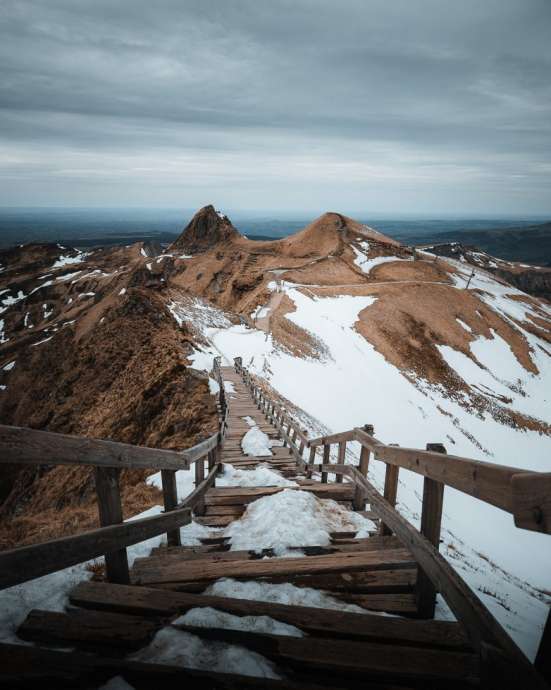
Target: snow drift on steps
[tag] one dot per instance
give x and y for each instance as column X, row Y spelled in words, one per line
column 175, row 647
column 262, row 475
column 292, row 518
column 256, row 443
column 207, row 617
column 284, row 593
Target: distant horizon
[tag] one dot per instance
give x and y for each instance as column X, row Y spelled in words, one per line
column 280, row 214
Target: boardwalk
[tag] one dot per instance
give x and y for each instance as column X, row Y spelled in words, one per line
column 380, row 574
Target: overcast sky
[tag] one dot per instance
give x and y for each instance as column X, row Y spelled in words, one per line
column 367, row 106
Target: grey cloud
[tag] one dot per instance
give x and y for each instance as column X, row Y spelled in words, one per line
column 406, row 86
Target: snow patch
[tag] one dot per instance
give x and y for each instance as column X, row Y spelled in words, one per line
column 262, row 475
column 67, row 260
column 203, row 361
column 284, row 593
column 366, row 264
column 464, row 325
column 292, row 518
column 175, row 647
column 256, row 443
column 208, row 617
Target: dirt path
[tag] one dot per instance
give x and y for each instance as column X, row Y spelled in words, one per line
column 263, row 323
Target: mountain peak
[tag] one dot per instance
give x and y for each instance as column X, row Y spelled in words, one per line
column 207, row 228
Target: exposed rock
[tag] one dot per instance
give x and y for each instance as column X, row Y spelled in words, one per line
column 206, row 229
column 535, row 280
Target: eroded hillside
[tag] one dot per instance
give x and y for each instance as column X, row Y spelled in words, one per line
column 116, row 343
column 89, row 347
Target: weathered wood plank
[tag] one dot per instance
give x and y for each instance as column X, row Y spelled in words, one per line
column 340, row 562
column 225, row 510
column 390, row 493
column 198, row 494
column 332, row 438
column 110, row 513
column 215, row 520
column 431, row 521
column 29, row 667
column 340, row 459
column 86, row 627
column 29, row 562
column 200, row 450
column 350, row 656
column 242, row 496
column 483, row 480
column 396, row 603
column 146, row 601
column 170, row 498
column 25, row 446
column 399, row 581
column 532, row 501
column 326, row 461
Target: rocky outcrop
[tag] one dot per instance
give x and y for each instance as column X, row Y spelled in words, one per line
column 534, row 280
column 206, row 229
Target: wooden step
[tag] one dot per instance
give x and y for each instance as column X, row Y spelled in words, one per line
column 33, row 667
column 225, row 510
column 215, row 520
column 161, row 556
column 88, row 628
column 146, row 601
column 349, row 657
column 201, row 571
column 392, row 581
column 243, row 495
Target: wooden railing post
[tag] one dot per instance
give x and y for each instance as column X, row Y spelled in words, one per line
column 199, row 477
column 170, row 496
column 342, row 454
column 326, row 460
column 390, row 493
column 110, row 513
column 359, row 497
column 282, row 420
column 311, row 461
column 431, row 521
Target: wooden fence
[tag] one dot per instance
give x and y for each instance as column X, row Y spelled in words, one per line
column 29, row 446
column 525, row 495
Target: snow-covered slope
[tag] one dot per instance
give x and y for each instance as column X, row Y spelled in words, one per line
column 350, row 383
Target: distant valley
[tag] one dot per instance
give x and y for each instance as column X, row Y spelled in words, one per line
column 510, row 239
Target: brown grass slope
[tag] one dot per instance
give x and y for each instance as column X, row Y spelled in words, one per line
column 117, row 369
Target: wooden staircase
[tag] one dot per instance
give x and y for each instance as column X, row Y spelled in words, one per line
column 106, row 621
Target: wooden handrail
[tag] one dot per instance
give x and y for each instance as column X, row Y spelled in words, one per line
column 28, row 562
column 481, row 627
column 483, row 480
column 527, row 497
column 20, row 445
column 24, row 446
column 333, row 438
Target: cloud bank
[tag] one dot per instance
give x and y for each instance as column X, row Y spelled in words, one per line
column 359, row 106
